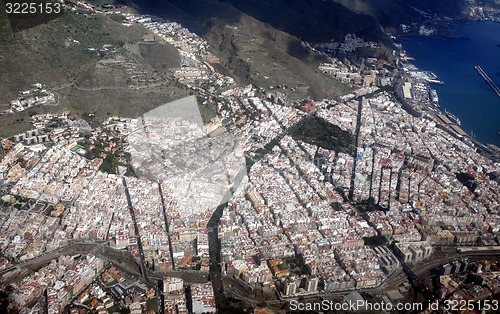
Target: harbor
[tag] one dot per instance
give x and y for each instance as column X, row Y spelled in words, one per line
column 464, row 92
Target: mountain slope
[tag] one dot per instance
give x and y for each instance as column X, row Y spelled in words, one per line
column 257, row 53
column 312, row 20
column 250, row 50
column 63, row 55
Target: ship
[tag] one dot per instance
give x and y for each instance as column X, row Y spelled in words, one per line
column 435, row 81
column 452, row 117
column 431, row 77
column 434, row 96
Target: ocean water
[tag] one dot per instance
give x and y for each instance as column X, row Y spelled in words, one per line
column 465, row 93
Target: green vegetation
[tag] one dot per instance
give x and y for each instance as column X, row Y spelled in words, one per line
column 48, row 54
column 111, row 161
column 152, row 305
column 103, row 76
column 57, row 54
column 250, row 50
column 389, row 13
column 162, row 57
column 337, row 206
column 367, row 206
column 110, row 164
column 296, row 265
column 283, row 266
column 19, row 22
column 15, row 125
column 335, row 18
column 317, row 131
column 375, row 240
column 258, row 54
column 331, row 20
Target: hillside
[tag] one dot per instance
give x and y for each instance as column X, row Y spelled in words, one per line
column 259, row 54
column 69, row 56
column 312, row 20
column 257, row 42
column 250, row 50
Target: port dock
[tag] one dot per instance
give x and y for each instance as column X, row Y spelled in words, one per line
column 488, row 80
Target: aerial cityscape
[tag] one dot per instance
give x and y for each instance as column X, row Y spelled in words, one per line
column 208, row 157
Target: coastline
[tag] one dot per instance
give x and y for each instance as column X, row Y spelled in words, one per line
column 491, row 150
column 410, row 44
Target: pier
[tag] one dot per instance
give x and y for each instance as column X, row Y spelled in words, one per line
column 488, row 80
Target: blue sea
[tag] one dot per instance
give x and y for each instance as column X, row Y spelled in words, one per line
column 465, row 93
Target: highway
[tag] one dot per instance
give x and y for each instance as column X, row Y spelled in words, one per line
column 125, row 261
column 450, row 254
column 416, row 271
column 120, row 259
column 232, row 287
column 73, row 248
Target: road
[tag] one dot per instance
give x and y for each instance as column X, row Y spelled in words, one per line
column 239, row 290
column 126, row 262
column 120, row 259
column 439, row 258
column 87, row 89
column 449, row 255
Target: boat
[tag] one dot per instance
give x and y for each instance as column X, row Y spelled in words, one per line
column 452, row 117
column 431, row 75
column 435, row 81
column 434, row 96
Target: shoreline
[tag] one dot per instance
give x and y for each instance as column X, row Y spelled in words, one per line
column 491, row 150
